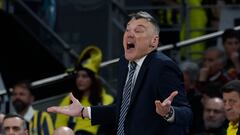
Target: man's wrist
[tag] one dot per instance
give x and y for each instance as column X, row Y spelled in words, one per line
column 169, row 114
column 85, row 113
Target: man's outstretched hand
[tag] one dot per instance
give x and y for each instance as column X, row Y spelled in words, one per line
column 162, row 108
column 73, row 109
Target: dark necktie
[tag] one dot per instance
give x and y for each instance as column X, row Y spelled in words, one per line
column 126, row 99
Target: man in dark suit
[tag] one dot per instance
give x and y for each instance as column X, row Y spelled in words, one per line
column 151, row 99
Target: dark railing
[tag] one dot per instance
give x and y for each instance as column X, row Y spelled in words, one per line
column 60, row 50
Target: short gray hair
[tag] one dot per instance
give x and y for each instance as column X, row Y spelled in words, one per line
column 191, row 68
column 221, row 54
column 147, row 16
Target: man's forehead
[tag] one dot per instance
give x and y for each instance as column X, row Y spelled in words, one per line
column 231, row 39
column 12, row 121
column 214, row 105
column 20, row 89
column 231, row 93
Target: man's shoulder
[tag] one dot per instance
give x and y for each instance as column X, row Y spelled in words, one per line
column 160, row 57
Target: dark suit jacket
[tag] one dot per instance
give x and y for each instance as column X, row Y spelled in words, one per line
column 157, row 78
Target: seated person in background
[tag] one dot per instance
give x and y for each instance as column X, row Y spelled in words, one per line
column 231, row 98
column 212, row 68
column 14, row 124
column 40, row 123
column 88, row 91
column 231, row 44
column 63, row 131
column 190, row 74
column 214, row 117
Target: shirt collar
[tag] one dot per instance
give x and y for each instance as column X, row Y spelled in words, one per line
column 29, row 114
column 139, row 62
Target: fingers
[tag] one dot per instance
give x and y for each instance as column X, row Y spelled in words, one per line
column 163, row 108
column 173, row 94
column 168, row 100
column 73, row 98
column 158, row 103
column 60, row 109
column 51, row 109
column 166, row 103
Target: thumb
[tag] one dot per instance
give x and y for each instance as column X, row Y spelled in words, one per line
column 73, row 99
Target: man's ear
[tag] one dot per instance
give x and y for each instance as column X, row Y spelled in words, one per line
column 155, row 41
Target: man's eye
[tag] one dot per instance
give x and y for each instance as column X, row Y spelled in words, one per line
column 16, row 128
column 138, row 30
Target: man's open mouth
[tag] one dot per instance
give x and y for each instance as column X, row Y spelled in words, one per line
column 130, row 45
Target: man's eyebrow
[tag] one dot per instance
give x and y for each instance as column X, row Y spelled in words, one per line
column 10, row 126
column 140, row 25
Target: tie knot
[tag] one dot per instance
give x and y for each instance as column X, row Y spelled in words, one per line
column 133, row 65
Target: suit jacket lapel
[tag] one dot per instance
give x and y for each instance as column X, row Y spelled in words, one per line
column 123, row 76
column 140, row 77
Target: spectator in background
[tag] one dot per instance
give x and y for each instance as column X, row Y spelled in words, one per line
column 88, row 91
column 214, row 117
column 231, row 44
column 14, row 124
column 231, row 98
column 209, row 91
column 2, row 115
column 63, row 131
column 212, row 68
column 190, row 74
column 39, row 122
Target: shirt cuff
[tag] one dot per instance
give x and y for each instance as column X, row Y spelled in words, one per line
column 171, row 117
column 89, row 112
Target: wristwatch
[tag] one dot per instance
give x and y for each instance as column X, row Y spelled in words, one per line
column 169, row 114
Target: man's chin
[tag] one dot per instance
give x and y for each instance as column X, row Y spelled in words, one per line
column 129, row 58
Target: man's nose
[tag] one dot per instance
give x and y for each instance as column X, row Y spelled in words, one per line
column 211, row 113
column 227, row 108
column 130, row 34
column 18, row 96
column 11, row 132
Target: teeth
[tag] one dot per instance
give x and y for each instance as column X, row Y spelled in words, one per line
column 129, row 42
column 130, row 45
